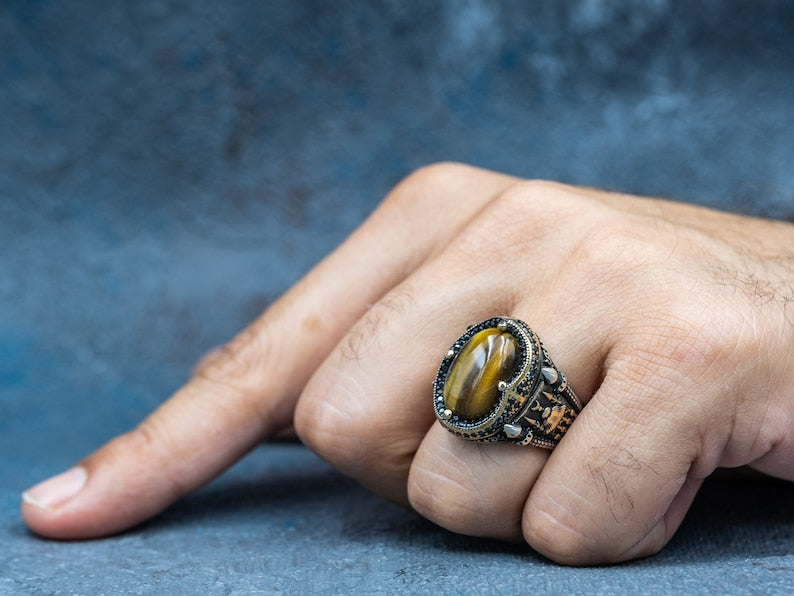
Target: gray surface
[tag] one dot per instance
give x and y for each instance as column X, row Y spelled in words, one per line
column 168, row 168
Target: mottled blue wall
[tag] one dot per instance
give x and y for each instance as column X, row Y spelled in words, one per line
column 168, row 167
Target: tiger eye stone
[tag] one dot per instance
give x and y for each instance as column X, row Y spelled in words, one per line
column 471, row 388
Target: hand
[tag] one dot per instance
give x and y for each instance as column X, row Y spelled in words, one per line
column 673, row 323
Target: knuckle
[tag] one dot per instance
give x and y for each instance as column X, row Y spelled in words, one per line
column 546, row 201
column 561, row 535
column 433, row 176
column 441, row 189
column 623, row 259
column 505, row 224
column 678, row 339
column 619, row 247
column 421, row 494
column 335, row 419
column 445, row 499
column 151, row 442
column 537, row 203
column 242, row 373
column 363, row 337
column 536, row 192
column 242, row 362
column 427, row 184
column 329, row 422
column 519, row 217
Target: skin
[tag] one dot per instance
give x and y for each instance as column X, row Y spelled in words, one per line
column 673, row 323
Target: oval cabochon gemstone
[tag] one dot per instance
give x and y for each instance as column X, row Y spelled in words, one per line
column 471, row 388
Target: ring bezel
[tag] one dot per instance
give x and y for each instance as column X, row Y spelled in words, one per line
column 514, row 393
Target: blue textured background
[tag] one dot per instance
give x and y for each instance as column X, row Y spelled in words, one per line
column 168, row 168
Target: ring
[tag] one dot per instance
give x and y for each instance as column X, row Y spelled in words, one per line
column 497, row 383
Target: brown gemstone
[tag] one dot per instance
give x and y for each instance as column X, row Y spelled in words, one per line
column 471, row 388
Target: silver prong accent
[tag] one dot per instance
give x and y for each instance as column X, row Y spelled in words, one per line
column 528, row 439
column 549, row 375
column 450, row 354
column 501, row 386
column 501, row 325
column 446, row 414
column 512, row 430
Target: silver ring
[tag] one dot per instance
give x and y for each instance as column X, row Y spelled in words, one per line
column 497, row 383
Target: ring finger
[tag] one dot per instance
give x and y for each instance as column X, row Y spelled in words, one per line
column 480, row 489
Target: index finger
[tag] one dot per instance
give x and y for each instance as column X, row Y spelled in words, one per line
column 249, row 390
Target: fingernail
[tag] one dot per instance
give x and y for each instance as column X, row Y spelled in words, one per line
column 56, row 491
